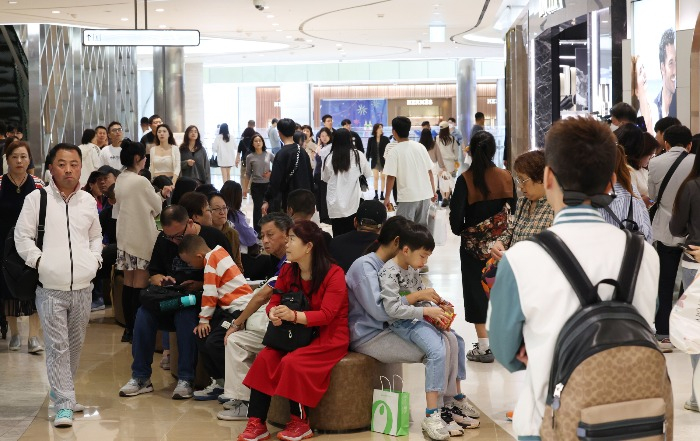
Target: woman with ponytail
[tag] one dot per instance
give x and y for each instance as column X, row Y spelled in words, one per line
column 481, row 194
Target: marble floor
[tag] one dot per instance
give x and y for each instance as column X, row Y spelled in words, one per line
column 25, row 415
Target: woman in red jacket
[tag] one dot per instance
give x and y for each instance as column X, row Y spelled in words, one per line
column 302, row 375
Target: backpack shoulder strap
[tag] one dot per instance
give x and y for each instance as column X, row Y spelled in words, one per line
column 631, row 262
column 42, row 219
column 567, row 263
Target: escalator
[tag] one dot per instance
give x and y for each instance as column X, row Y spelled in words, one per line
column 14, row 85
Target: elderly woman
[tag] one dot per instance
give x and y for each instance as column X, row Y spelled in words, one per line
column 302, row 375
column 15, row 185
column 533, row 214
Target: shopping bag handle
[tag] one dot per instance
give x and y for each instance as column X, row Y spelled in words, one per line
column 382, row 382
column 393, row 387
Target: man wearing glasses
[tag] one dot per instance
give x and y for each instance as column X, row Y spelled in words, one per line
column 110, row 154
column 166, row 268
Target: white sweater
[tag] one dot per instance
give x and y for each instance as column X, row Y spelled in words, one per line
column 137, row 205
column 72, row 251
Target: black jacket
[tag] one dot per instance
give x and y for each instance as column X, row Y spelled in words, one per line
column 372, row 150
column 281, row 183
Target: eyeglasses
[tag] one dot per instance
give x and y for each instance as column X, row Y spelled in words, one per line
column 521, row 182
column 117, row 130
column 176, row 236
column 220, row 209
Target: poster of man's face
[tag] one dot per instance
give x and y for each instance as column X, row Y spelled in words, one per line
column 667, row 66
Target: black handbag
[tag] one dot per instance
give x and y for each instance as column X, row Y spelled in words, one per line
column 214, row 161
column 290, row 336
column 21, row 279
column 364, row 186
column 152, row 297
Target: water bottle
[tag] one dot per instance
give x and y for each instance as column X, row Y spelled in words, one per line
column 177, row 303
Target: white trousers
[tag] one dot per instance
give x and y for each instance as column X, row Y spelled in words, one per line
column 241, row 349
column 64, row 315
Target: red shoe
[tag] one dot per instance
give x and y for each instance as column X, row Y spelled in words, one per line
column 255, row 430
column 296, row 430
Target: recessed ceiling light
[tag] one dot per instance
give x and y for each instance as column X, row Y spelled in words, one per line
column 339, row 44
column 288, row 36
column 436, row 13
column 270, row 16
column 160, row 10
column 125, row 19
column 162, row 26
column 55, row 12
column 12, row 2
column 309, row 41
column 275, row 24
column 278, row 30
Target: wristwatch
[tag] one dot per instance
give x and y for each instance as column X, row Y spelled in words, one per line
column 227, row 325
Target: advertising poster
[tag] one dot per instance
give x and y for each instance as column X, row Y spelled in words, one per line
column 362, row 113
column 654, row 60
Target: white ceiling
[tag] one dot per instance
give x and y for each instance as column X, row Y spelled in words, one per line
column 295, row 30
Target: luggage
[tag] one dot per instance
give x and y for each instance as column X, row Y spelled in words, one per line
column 608, row 379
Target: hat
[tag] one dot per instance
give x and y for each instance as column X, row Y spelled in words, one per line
column 444, row 124
column 372, row 210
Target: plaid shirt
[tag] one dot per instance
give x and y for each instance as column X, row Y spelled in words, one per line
column 525, row 226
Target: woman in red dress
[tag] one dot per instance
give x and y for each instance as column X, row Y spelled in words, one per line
column 302, row 375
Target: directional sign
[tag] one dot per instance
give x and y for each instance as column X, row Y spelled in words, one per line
column 140, row 37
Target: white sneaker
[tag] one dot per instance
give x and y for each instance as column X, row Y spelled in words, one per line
column 435, row 427
column 210, row 392
column 136, row 387
column 465, row 407
column 183, row 390
column 64, row 418
column 480, row 355
column 235, row 410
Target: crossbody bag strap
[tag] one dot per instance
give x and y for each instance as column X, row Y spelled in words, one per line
column 631, row 262
column 567, row 263
column 669, row 175
column 42, row 219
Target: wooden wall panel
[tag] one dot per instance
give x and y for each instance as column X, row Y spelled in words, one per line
column 265, row 99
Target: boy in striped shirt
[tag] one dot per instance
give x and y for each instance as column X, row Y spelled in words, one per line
column 225, row 295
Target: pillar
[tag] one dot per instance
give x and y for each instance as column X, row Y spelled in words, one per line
column 169, row 86
column 466, row 100
column 516, row 95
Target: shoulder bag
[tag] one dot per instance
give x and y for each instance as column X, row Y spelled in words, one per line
column 21, row 279
column 669, row 174
column 290, row 336
column 364, row 186
column 479, row 239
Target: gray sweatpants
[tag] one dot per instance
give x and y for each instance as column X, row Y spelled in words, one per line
column 64, row 316
column 414, row 211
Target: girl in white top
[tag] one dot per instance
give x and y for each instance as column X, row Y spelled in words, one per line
column 91, row 155
column 137, row 205
column 342, row 169
column 165, row 155
column 225, row 151
column 448, row 147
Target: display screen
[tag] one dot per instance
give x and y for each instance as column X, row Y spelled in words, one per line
column 654, row 60
column 362, row 113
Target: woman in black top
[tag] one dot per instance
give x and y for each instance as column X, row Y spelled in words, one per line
column 15, row 185
column 375, row 155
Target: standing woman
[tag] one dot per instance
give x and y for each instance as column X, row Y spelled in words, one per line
column 309, row 145
column 639, row 147
column 258, row 166
column 194, row 162
column 91, row 155
column 448, row 147
column 303, row 375
column 341, row 170
column 243, row 150
column 480, row 193
column 15, row 185
column 426, row 138
column 165, row 156
column 224, row 151
column 375, row 155
column 137, row 206
column 325, row 144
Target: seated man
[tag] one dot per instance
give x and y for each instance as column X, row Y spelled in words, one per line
column 532, row 299
column 243, row 339
column 301, row 205
column 225, row 295
column 349, row 247
column 166, row 266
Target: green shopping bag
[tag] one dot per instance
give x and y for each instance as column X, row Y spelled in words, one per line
column 390, row 412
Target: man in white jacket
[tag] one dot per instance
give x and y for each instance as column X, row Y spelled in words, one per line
column 67, row 263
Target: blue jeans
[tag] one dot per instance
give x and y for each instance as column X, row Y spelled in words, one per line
column 429, row 340
column 144, row 342
column 688, row 277
column 462, row 359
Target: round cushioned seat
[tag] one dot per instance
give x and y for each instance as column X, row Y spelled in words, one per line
column 347, row 405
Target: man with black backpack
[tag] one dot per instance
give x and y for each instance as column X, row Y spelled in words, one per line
column 534, row 299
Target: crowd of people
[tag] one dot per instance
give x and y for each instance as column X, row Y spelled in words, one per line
column 148, row 209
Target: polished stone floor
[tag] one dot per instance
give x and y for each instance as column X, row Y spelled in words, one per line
column 24, row 412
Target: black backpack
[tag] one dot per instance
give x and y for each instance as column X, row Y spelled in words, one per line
column 608, row 378
column 22, row 280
